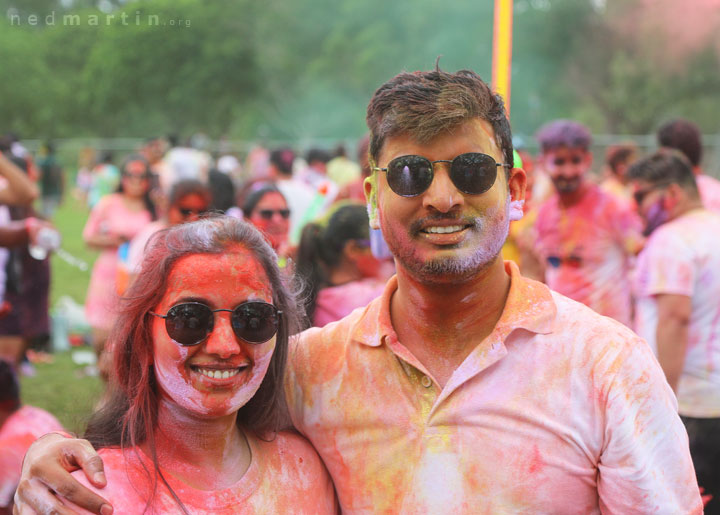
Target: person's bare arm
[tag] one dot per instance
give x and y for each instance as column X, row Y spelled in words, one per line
column 103, row 241
column 20, row 189
column 46, row 476
column 672, row 334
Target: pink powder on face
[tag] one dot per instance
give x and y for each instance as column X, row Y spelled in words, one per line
column 222, row 281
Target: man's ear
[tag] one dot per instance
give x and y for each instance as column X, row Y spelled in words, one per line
column 674, row 195
column 370, row 185
column 517, row 184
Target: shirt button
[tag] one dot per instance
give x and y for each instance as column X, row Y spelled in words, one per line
column 426, row 381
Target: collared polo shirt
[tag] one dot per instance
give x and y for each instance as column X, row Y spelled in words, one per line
column 558, row 410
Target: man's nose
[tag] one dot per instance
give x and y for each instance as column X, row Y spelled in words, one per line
column 442, row 195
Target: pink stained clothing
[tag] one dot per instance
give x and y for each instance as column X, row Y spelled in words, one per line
column 138, row 243
column 109, row 216
column 557, row 411
column 338, row 301
column 285, row 476
column 18, row 432
column 595, row 241
column 709, row 188
column 620, row 191
column 682, row 257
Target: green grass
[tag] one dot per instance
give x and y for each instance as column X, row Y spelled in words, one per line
column 60, row 387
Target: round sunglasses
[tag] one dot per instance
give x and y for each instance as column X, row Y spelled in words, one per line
column 472, row 173
column 190, row 323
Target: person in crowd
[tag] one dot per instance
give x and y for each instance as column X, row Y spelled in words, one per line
column 188, row 201
column 677, row 285
column 20, row 426
column 355, row 190
column 195, row 417
column 24, row 312
column 465, row 387
column 114, row 221
column 265, row 207
column 335, row 262
column 585, row 239
column 341, row 169
column 52, row 180
column 298, row 194
column 222, row 191
column 105, row 179
column 618, row 159
column 84, row 175
column 315, row 173
column 190, row 161
column 683, row 135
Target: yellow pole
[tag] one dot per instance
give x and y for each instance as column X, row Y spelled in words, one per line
column 502, row 50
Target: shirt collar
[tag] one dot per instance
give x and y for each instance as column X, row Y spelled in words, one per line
column 529, row 306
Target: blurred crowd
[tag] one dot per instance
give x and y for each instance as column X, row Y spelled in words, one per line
column 581, row 231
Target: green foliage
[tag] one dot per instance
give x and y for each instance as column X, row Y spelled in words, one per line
column 304, row 69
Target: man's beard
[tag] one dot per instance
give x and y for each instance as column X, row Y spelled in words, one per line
column 565, row 186
column 456, row 269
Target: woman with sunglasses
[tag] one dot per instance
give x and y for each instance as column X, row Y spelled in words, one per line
column 336, row 264
column 194, row 420
column 265, row 207
column 114, row 220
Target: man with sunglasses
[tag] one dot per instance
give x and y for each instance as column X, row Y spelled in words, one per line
column 585, row 237
column 465, row 387
column 677, row 286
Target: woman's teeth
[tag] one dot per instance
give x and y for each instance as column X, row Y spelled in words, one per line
column 218, row 374
column 444, row 230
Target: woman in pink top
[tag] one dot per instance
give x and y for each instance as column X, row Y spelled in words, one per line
column 193, row 424
column 336, row 264
column 116, row 219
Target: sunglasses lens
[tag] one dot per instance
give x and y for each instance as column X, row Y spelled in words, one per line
column 255, row 322
column 285, row 213
column 409, row 176
column 189, row 324
column 473, row 173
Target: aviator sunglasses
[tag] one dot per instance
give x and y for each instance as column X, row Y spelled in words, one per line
column 191, row 322
column 472, row 173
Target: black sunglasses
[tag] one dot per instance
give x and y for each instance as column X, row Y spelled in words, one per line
column 191, row 322
column 267, row 214
column 185, row 211
column 472, row 173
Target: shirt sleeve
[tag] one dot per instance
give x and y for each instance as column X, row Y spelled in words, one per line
column 668, row 267
column 628, row 226
column 645, row 464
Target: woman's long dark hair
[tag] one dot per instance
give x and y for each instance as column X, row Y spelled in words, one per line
column 129, row 417
column 147, row 199
column 321, row 248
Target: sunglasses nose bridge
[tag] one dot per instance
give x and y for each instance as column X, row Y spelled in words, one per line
column 222, row 340
column 442, row 195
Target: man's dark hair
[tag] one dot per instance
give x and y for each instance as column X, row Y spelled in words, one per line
column 564, row 133
column 620, row 154
column 427, row 104
column 317, row 154
column 184, row 188
column 684, row 136
column 283, row 159
column 664, row 167
column 9, row 387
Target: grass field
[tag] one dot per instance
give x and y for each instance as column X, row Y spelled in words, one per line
column 60, row 387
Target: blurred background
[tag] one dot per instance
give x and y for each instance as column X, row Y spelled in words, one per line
column 230, row 75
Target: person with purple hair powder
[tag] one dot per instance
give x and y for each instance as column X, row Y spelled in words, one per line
column 585, row 237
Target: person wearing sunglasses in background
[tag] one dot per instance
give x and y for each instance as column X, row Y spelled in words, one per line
column 265, row 207
column 677, row 286
column 465, row 387
column 585, row 237
column 336, row 264
column 194, row 418
column 115, row 220
column 188, row 201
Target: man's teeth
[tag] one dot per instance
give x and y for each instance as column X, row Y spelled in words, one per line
column 444, row 230
column 218, row 374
